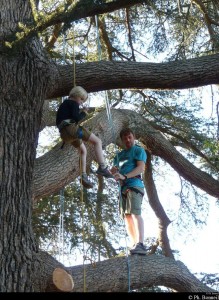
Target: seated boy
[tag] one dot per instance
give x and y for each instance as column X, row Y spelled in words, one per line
column 67, row 120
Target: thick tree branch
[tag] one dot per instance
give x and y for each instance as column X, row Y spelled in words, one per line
column 145, row 271
column 185, row 143
column 103, row 75
column 61, row 165
column 70, row 13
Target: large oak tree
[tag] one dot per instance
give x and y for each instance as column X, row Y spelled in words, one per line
column 31, row 75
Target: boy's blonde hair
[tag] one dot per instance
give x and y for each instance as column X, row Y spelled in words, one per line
column 78, row 91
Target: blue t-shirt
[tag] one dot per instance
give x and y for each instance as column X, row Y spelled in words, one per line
column 126, row 161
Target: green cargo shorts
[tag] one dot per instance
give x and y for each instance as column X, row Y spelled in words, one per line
column 70, row 134
column 130, row 202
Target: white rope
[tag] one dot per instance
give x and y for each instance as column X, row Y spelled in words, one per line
column 109, row 115
column 61, row 226
column 61, row 194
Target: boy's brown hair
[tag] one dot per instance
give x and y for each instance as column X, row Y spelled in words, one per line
column 125, row 132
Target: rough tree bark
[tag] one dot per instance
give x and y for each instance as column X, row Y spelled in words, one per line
column 187, row 74
column 24, row 78
column 112, row 275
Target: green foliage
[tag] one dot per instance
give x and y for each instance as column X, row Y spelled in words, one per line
column 173, row 113
column 89, row 217
column 211, row 280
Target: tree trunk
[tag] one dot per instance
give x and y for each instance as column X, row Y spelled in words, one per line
column 19, row 124
column 21, row 100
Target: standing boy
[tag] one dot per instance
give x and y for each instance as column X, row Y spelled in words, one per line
column 128, row 166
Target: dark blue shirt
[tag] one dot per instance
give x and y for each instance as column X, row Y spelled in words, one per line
column 69, row 109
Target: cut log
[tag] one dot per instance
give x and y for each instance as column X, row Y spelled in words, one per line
column 62, row 280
